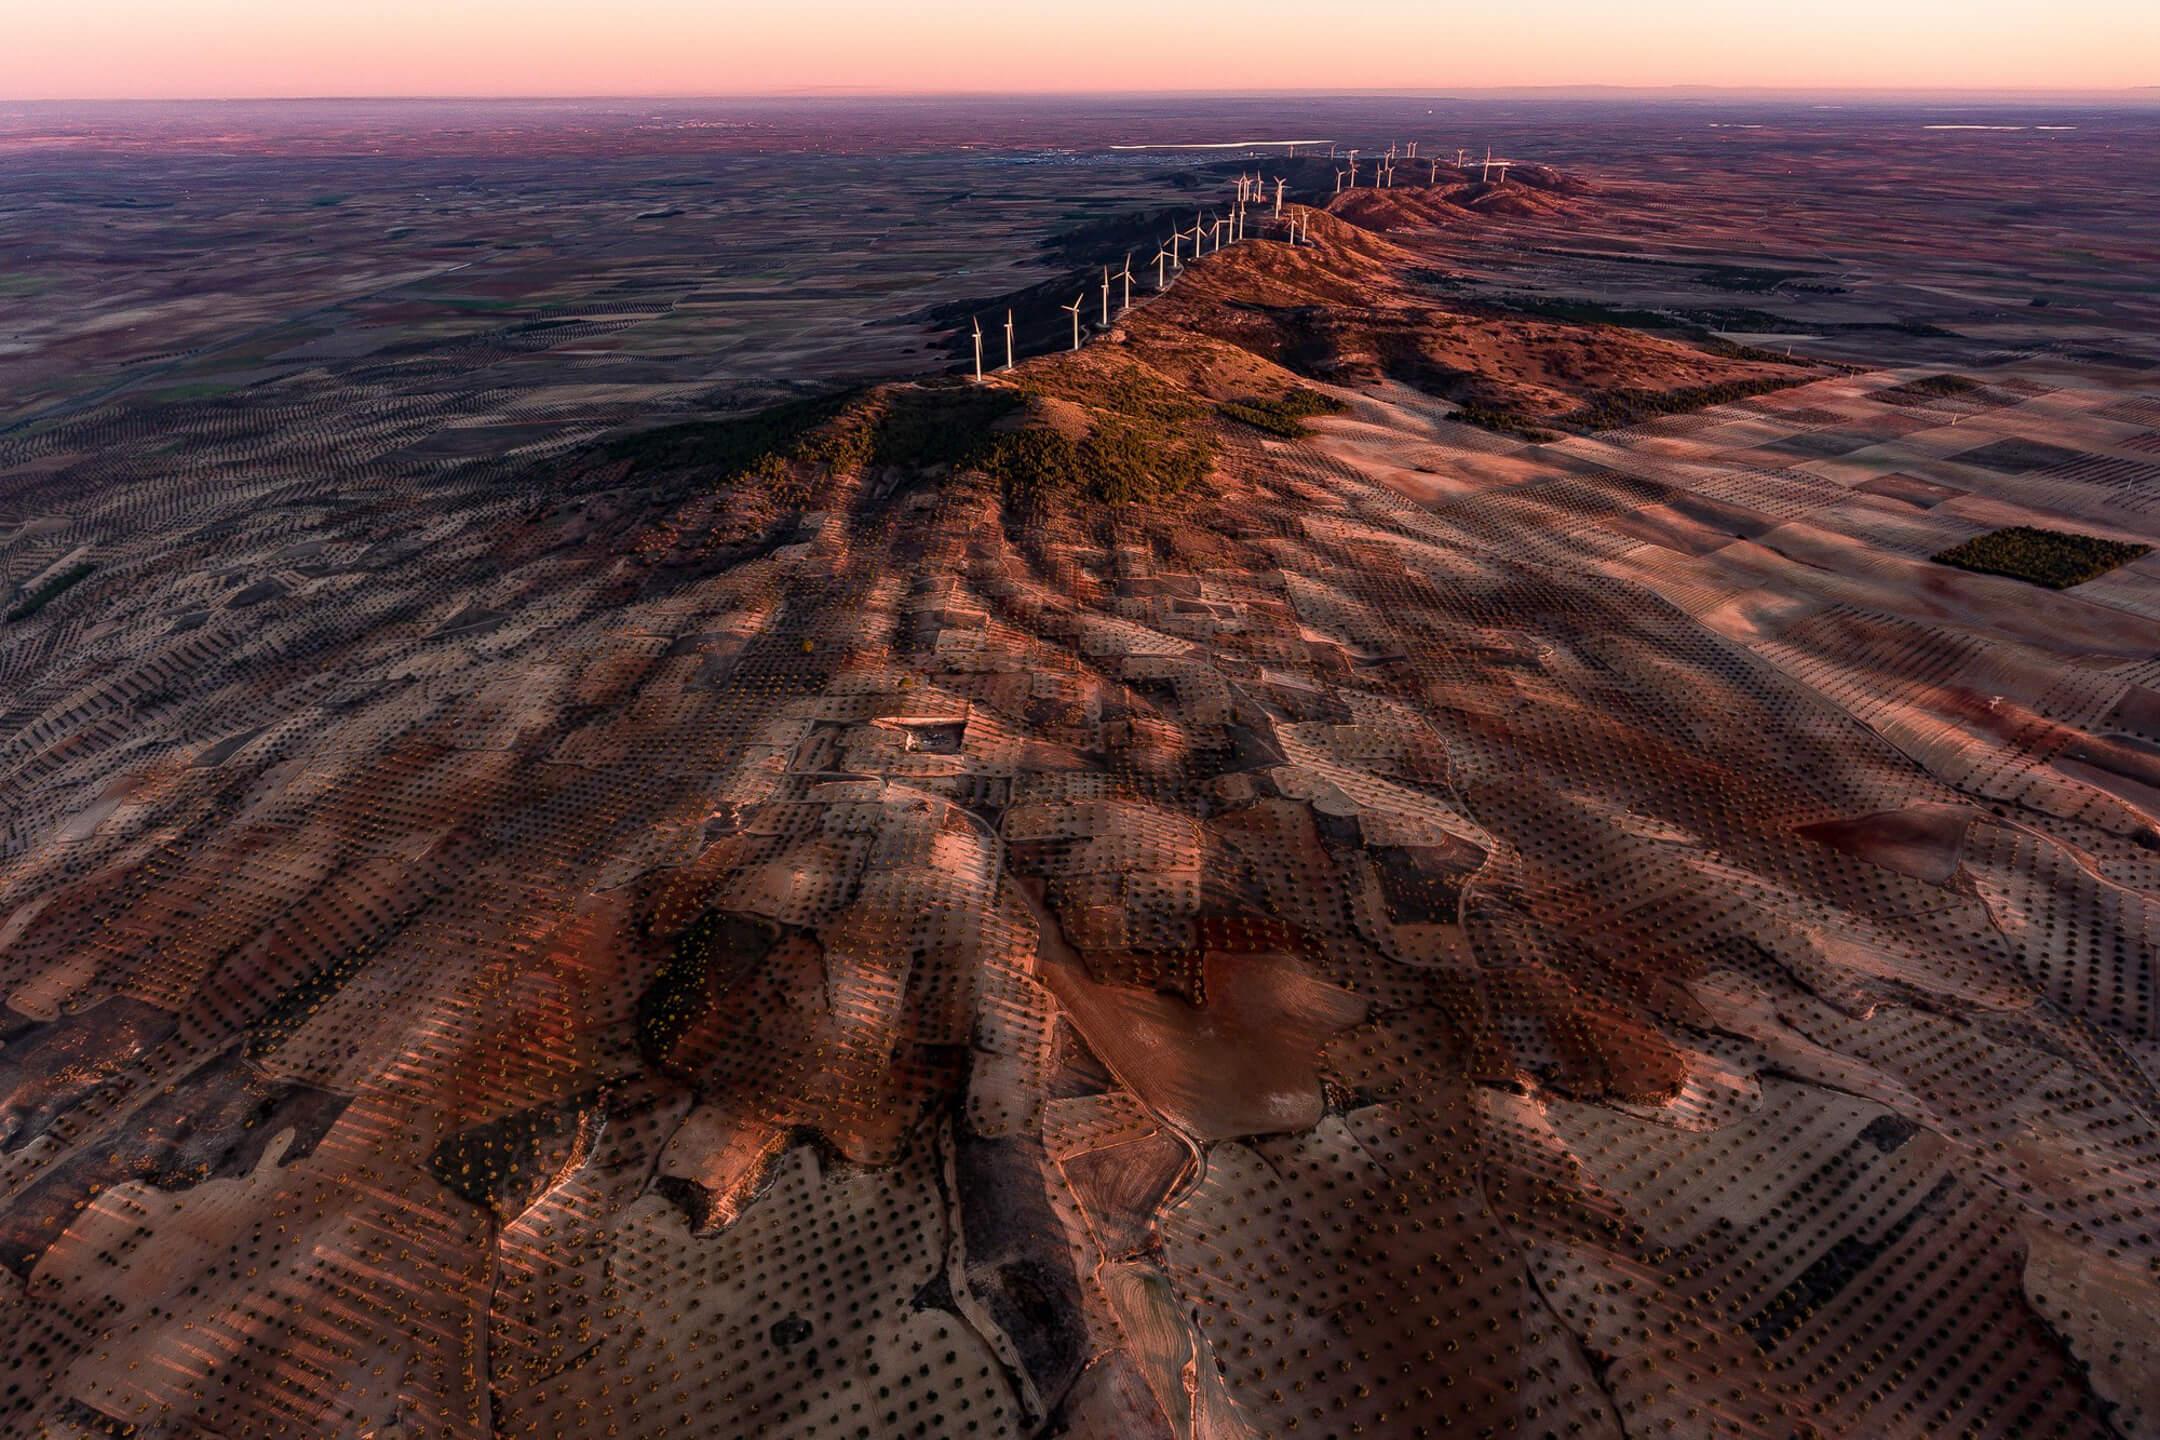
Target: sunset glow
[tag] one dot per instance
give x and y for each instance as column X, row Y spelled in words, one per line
column 211, row 48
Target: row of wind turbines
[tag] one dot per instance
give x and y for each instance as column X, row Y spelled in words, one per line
column 1384, row 168
column 1209, row 235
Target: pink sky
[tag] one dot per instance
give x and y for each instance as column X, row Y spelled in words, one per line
column 174, row 48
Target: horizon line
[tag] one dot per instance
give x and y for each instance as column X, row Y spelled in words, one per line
column 844, row 92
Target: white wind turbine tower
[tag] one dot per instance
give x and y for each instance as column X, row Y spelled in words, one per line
column 1177, row 247
column 1434, row 178
column 978, row 350
column 1161, row 256
column 1126, row 276
column 1338, row 182
column 1460, row 154
column 1278, row 194
column 1074, row 310
column 1008, row 340
column 1353, row 169
column 1106, row 296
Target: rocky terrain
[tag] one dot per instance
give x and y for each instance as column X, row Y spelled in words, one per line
column 1276, row 875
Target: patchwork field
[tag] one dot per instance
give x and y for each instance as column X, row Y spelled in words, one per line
column 1413, row 840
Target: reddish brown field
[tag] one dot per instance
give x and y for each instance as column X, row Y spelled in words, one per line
column 1522, row 903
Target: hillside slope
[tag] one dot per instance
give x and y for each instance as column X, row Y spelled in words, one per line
column 1056, row 910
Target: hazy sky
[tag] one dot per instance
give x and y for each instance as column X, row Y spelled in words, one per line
column 168, row 48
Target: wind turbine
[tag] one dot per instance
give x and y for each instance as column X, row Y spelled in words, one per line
column 1278, row 194
column 1074, row 310
column 1338, row 182
column 1485, row 175
column 1008, row 340
column 1126, row 276
column 978, row 350
column 1177, row 247
column 1434, row 178
column 1459, row 154
column 1161, row 255
column 1106, row 296
column 1353, row 169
